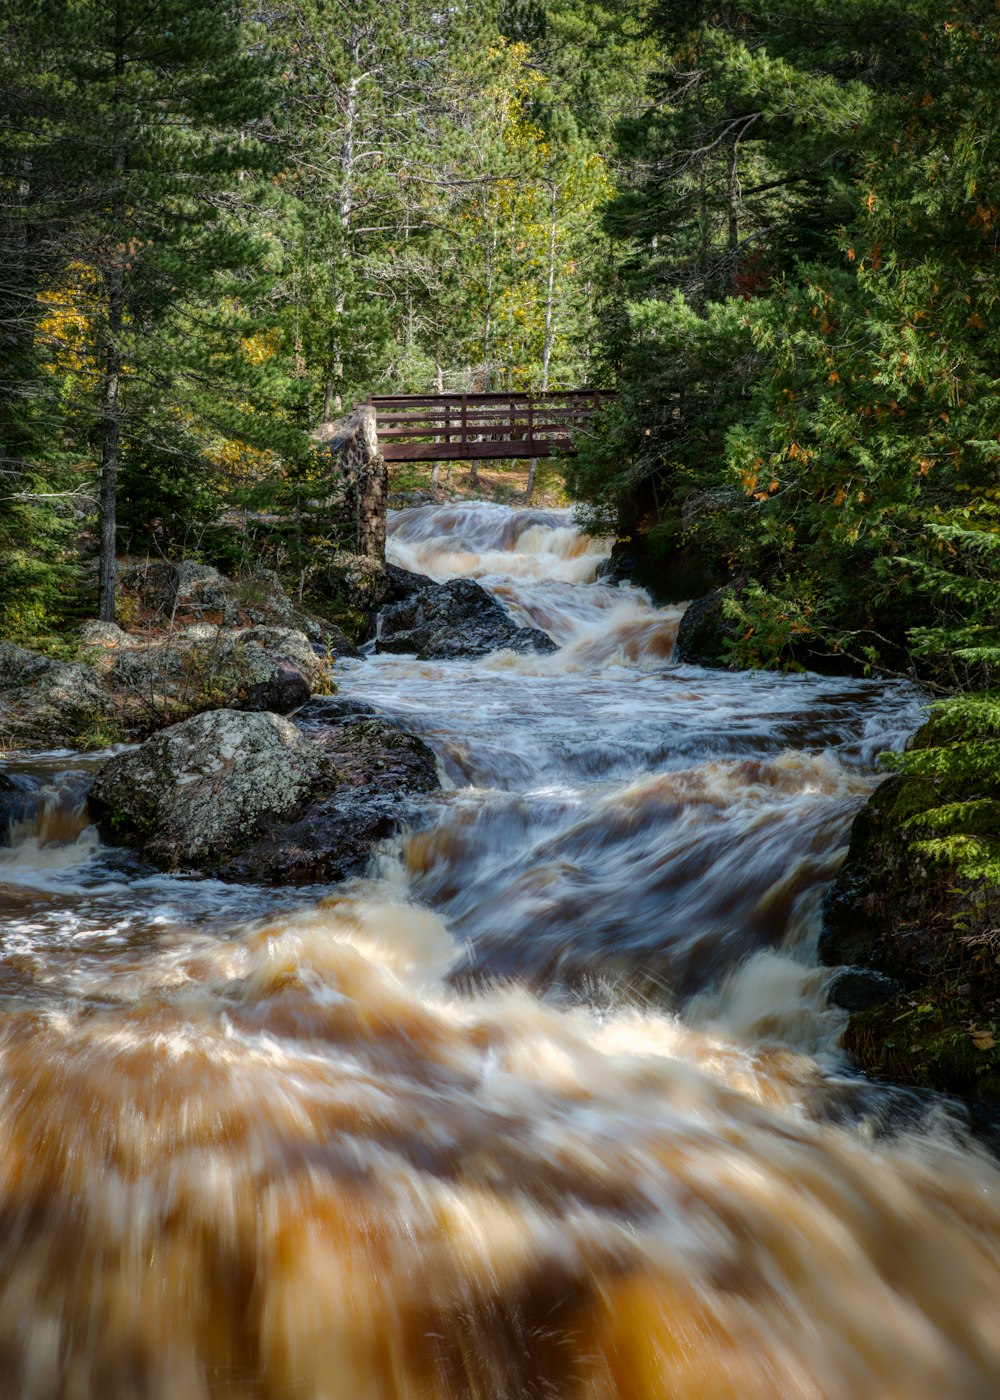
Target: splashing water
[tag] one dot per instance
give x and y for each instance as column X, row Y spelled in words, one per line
column 550, row 1105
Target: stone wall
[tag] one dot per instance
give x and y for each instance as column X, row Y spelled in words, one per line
column 352, row 442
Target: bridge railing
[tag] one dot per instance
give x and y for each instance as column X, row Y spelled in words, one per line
column 466, row 427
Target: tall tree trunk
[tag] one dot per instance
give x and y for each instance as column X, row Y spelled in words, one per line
column 345, row 208
column 549, row 309
column 111, row 415
column 110, row 436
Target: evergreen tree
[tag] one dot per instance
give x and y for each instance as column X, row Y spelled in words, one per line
column 153, row 124
column 38, row 488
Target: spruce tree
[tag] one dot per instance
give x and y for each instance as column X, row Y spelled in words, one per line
column 154, row 119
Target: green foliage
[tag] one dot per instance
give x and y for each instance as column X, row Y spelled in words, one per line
column 957, row 763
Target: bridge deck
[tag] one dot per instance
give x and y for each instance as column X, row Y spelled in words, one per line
column 466, row 427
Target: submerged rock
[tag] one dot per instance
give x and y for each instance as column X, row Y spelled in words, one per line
column 47, row 703
column 440, row 620
column 257, row 798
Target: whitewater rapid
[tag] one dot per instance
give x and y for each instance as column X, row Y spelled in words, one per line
column 550, row 1104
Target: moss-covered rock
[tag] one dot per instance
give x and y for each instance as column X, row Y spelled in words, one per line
column 893, row 910
column 939, row 1036
column 350, row 588
column 884, row 889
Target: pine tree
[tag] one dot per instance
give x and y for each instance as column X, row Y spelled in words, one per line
column 152, row 123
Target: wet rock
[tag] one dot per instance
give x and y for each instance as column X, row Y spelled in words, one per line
column 858, row 988
column 46, row 703
column 378, row 765
column 882, row 889
column 199, row 791
column 403, row 584
column 705, row 630
column 883, row 1112
column 327, row 709
column 436, row 621
column 18, row 797
column 257, row 798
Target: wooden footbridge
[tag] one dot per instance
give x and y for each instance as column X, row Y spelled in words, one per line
column 471, row 427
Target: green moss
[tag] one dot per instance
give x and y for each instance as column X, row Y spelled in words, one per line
column 939, row 1036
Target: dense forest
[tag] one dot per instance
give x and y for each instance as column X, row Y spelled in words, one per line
column 772, row 227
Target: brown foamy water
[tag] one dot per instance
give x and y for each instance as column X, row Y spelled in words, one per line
column 550, row 1105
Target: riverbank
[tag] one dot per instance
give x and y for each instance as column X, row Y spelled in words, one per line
column 912, row 918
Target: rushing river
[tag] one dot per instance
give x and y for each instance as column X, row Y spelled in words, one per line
column 550, row 1105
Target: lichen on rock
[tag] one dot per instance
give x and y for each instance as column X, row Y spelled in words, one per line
column 258, row 798
column 249, row 668
column 199, row 791
column 44, row 702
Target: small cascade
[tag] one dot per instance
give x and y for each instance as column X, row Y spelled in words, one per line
column 50, row 834
column 56, row 818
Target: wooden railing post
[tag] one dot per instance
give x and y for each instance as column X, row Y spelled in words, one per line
column 465, row 421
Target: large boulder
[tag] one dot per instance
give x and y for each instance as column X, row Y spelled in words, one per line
column 46, row 703
column 257, row 798
column 351, row 586
column 190, row 593
column 459, row 618
column 379, row 765
column 195, row 794
column 248, row 668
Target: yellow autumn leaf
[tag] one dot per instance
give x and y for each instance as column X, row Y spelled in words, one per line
column 982, row 1040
